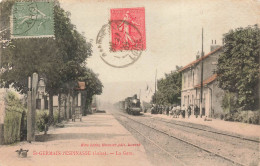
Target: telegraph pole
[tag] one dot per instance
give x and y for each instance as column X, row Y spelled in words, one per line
column 29, row 113
column 201, row 83
column 155, row 85
column 31, row 104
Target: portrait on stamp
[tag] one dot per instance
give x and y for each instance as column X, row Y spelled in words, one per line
column 32, row 19
column 129, row 31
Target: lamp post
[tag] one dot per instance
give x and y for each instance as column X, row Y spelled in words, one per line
column 29, row 113
column 41, row 92
column 155, row 85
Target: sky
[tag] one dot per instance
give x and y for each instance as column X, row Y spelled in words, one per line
column 173, row 36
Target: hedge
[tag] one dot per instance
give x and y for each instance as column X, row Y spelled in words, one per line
column 13, row 117
column 251, row 117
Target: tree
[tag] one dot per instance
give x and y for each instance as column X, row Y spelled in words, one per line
column 93, row 87
column 238, row 65
column 169, row 88
column 60, row 61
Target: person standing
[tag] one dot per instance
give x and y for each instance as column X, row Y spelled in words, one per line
column 161, row 109
column 173, row 112
column 189, row 111
column 167, row 110
column 184, row 108
column 152, row 109
column 196, row 110
column 178, row 111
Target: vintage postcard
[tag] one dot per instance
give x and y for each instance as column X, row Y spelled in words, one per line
column 129, row 82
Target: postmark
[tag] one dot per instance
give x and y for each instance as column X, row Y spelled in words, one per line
column 122, row 40
column 32, row 20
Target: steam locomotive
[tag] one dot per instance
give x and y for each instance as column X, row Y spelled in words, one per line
column 131, row 105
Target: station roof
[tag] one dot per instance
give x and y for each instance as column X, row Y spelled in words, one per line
column 198, row 60
column 207, row 81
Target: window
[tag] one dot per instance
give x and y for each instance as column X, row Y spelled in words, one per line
column 214, row 71
column 38, row 104
column 184, row 82
column 192, row 78
column 189, row 75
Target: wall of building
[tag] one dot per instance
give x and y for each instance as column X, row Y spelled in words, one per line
column 188, row 78
column 209, row 65
column 212, row 95
column 217, row 98
column 188, row 98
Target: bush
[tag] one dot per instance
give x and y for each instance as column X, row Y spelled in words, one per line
column 221, row 116
column 13, row 117
column 41, row 119
column 251, row 117
column 229, row 102
column 254, row 117
column 55, row 116
column 228, row 117
column 218, row 115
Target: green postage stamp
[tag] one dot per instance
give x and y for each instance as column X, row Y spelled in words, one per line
column 32, row 20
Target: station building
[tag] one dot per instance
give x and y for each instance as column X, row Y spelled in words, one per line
column 191, row 83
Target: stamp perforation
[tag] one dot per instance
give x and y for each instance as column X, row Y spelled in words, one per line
column 34, row 14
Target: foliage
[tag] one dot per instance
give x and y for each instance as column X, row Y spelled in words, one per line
column 251, row 117
column 42, row 119
column 238, row 66
column 229, row 102
column 56, row 117
column 93, row 87
column 13, row 117
column 218, row 115
column 93, row 84
column 159, row 98
column 169, row 88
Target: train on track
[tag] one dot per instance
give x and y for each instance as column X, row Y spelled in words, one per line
column 131, row 105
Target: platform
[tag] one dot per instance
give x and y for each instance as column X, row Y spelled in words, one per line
column 244, row 129
column 98, row 140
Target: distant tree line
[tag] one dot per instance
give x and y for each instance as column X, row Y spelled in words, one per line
column 169, row 89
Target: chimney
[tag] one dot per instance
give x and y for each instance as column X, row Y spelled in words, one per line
column 214, row 46
column 198, row 55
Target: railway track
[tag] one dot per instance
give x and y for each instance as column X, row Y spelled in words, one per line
column 155, row 144
column 215, row 132
column 182, row 140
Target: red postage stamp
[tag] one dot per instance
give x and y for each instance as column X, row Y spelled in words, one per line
column 128, row 29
